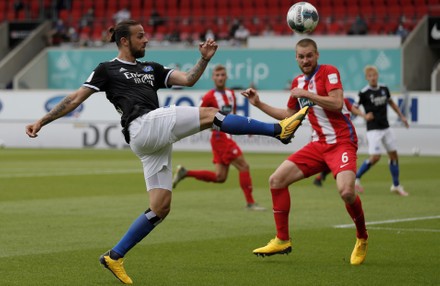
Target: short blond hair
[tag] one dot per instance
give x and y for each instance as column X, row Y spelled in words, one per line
column 307, row 42
column 370, row 68
column 219, row 67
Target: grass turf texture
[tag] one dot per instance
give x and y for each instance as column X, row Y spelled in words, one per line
column 61, row 209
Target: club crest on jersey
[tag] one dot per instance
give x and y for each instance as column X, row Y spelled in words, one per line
column 147, row 68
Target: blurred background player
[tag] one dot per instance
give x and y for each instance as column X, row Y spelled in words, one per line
column 333, row 146
column 375, row 98
column 355, row 111
column 225, row 150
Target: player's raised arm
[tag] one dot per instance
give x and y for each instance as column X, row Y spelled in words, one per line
column 68, row 104
column 207, row 50
column 275, row 112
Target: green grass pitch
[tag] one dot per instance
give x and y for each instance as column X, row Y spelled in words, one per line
column 61, row 209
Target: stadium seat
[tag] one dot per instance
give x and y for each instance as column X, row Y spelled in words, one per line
column 394, row 13
column 375, row 28
column 381, row 15
column 420, row 11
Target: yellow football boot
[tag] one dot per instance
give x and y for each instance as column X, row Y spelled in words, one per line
column 275, row 246
column 291, row 124
column 116, row 267
column 359, row 252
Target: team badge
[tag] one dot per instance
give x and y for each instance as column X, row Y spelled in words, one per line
column 147, row 68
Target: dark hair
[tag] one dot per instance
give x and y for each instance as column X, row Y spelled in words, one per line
column 121, row 30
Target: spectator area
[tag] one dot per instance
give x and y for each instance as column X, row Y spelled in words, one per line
column 191, row 18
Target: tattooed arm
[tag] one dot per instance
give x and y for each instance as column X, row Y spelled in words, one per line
column 207, row 50
column 68, row 104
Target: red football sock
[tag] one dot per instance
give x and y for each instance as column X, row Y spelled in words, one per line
column 202, row 175
column 281, row 209
column 246, row 186
column 357, row 215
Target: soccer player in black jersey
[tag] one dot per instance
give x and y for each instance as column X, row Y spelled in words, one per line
column 375, row 98
column 131, row 86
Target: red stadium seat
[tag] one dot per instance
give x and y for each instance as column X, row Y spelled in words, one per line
column 375, row 28
column 394, row 13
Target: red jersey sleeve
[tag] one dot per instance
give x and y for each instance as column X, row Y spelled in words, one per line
column 333, row 80
column 206, row 100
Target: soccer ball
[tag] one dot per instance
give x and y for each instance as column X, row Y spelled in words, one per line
column 302, row 17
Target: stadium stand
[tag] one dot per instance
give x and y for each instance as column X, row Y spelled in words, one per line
column 192, row 17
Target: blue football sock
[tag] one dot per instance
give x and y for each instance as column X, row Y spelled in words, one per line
column 394, row 169
column 239, row 125
column 140, row 228
column 364, row 168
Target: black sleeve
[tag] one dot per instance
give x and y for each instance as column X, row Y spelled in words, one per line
column 387, row 91
column 98, row 78
column 360, row 99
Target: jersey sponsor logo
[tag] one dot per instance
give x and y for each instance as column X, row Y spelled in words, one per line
column 226, row 109
column 333, row 78
column 52, row 102
column 378, row 100
column 140, row 77
column 305, row 102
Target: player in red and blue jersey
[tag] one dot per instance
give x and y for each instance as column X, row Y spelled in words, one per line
column 355, row 111
column 225, row 150
column 333, row 146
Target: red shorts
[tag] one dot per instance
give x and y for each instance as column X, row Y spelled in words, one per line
column 224, row 149
column 316, row 157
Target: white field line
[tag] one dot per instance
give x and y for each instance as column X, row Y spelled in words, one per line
column 404, row 229
column 72, row 173
column 394, row 221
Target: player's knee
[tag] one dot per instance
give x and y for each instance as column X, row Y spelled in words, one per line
column 243, row 167
column 220, row 177
column 207, row 114
column 162, row 211
column 348, row 196
column 374, row 159
column 276, row 182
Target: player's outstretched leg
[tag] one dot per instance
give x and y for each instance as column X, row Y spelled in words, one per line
column 291, row 124
column 275, row 246
column 116, row 267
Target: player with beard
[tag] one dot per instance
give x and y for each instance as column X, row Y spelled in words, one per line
column 333, row 147
column 131, row 86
